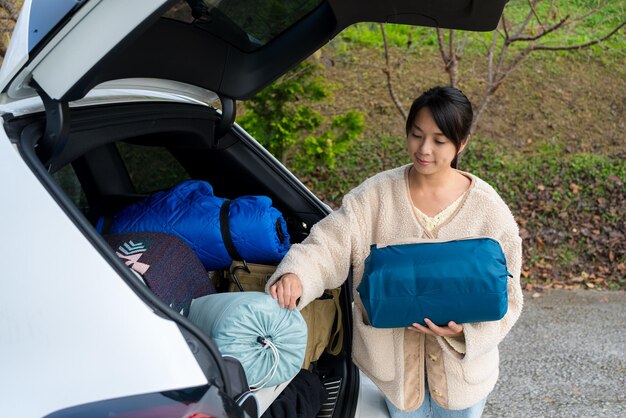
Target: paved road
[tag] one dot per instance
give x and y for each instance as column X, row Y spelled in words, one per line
column 566, row 357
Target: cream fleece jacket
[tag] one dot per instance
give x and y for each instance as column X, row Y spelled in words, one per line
column 380, row 210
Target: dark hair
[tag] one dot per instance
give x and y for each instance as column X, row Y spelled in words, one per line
column 451, row 110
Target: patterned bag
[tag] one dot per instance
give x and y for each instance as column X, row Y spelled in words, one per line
column 166, row 264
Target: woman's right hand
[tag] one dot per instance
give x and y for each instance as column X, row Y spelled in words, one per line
column 287, row 289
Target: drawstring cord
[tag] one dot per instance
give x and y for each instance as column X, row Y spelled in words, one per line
column 270, row 374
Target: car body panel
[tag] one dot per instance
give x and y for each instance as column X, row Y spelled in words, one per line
column 57, row 292
column 45, row 15
column 122, row 91
column 88, row 36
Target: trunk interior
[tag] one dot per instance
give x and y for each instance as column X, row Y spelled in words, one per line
column 118, row 154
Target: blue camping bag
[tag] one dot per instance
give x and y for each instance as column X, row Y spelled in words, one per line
column 462, row 281
column 269, row 341
column 219, row 230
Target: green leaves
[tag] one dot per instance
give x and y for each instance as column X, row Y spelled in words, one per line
column 324, row 148
column 293, row 131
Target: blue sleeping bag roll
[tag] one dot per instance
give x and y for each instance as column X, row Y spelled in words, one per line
column 257, row 231
column 463, row 281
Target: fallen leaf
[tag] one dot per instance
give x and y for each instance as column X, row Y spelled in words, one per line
column 536, row 295
column 615, row 179
column 590, row 285
column 611, row 256
column 541, row 187
column 575, row 188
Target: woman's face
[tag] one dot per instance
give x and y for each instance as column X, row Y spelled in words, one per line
column 429, row 149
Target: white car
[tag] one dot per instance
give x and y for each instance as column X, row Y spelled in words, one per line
column 98, row 98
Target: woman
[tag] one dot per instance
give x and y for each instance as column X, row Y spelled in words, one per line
column 447, row 371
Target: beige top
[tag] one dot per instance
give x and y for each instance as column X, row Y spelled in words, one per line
column 433, row 222
column 380, row 210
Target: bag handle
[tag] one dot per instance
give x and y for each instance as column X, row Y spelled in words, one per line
column 233, row 273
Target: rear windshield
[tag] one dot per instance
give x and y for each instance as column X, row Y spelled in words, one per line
column 245, row 24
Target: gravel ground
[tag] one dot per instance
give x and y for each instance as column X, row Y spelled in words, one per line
column 566, row 357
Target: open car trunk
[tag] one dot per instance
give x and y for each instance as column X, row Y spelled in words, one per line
column 119, row 154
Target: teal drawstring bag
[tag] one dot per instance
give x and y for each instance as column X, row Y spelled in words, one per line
column 269, row 341
column 462, row 281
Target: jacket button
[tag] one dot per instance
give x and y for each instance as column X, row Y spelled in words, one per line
column 432, row 357
column 437, row 392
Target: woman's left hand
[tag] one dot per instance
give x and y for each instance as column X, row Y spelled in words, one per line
column 451, row 330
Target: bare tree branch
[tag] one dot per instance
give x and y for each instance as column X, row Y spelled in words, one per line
column 504, row 27
column 442, row 48
column 479, row 111
column 500, row 65
column 504, row 74
column 526, row 21
column 387, row 71
column 451, row 48
column 532, row 8
column 461, row 46
column 541, row 34
column 490, row 52
column 450, row 58
column 579, row 46
column 505, row 47
column 453, row 69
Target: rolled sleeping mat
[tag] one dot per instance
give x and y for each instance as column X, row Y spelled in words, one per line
column 269, row 341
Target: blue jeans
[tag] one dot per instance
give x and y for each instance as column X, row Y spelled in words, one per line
column 430, row 409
